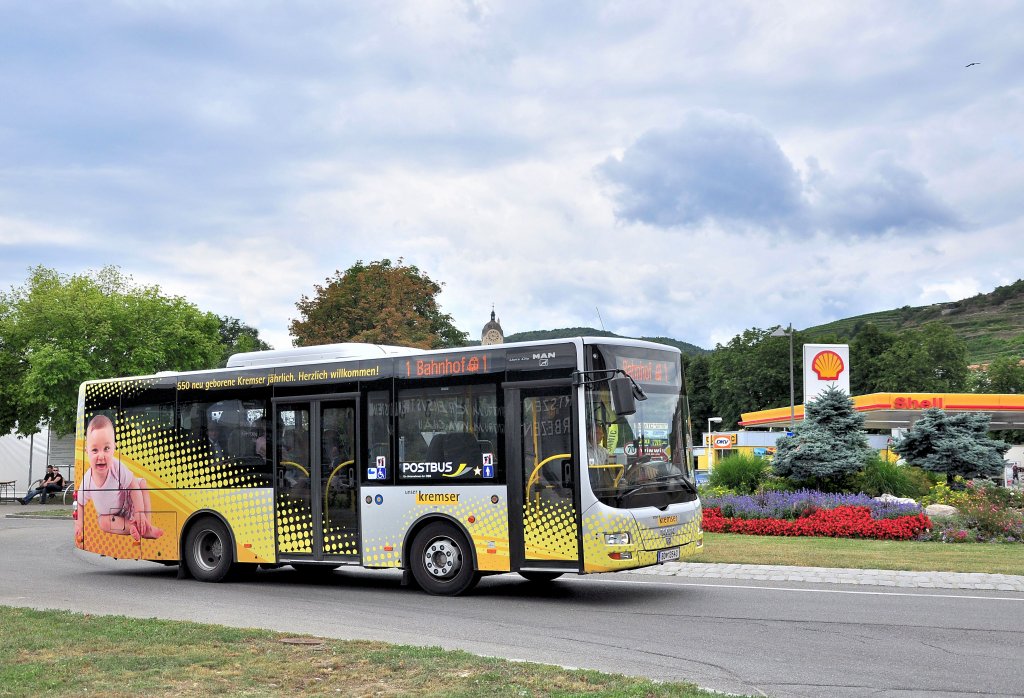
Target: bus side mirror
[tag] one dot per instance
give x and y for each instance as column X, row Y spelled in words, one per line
column 623, row 401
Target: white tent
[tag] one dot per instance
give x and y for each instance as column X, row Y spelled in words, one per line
column 23, row 459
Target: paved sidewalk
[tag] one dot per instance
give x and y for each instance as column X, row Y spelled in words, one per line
column 825, row 575
column 33, row 507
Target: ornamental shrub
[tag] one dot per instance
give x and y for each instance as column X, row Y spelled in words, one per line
column 987, row 514
column 706, row 492
column 774, row 483
column 741, row 473
column 942, row 493
column 881, row 476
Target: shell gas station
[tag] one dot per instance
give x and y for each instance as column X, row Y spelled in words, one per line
column 826, row 365
column 901, row 410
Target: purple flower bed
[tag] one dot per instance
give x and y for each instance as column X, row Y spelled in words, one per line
column 795, row 505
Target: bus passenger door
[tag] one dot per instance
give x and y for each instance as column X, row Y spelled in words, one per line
column 544, row 491
column 339, row 496
column 293, row 483
column 315, row 478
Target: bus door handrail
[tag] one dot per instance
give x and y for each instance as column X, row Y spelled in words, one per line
column 608, row 466
column 327, row 489
column 535, row 475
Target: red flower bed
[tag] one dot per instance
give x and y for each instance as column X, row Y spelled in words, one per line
column 841, row 522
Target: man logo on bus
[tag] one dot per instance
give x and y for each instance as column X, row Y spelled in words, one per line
column 827, row 365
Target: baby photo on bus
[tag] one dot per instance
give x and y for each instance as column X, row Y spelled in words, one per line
column 121, row 500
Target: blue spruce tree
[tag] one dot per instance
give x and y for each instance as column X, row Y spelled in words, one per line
column 954, row 444
column 828, row 447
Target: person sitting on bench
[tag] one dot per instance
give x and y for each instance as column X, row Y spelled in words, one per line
column 52, row 482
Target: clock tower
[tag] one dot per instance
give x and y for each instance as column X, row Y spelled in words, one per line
column 492, row 333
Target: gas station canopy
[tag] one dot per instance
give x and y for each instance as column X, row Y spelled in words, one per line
column 901, row 410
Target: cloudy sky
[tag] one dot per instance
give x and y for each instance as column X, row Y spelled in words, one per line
column 687, row 169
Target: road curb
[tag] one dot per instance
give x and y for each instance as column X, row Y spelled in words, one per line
column 978, row 581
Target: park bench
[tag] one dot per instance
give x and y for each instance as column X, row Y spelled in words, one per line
column 64, row 494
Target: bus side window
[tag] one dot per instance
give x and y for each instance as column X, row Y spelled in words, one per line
column 459, row 448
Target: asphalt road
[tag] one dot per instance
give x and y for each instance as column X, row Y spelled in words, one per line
column 759, row 638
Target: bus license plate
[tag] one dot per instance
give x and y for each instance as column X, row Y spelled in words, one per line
column 667, row 555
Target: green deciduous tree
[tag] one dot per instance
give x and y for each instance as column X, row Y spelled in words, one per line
column 57, row 331
column 751, row 372
column 237, row 337
column 379, row 303
column 698, row 392
column 954, row 444
column 828, row 447
column 866, row 351
column 1006, row 375
column 932, row 359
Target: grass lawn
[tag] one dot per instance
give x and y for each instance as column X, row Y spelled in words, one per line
column 57, row 653
column 1006, row 558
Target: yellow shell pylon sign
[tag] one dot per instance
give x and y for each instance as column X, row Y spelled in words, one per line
column 828, row 365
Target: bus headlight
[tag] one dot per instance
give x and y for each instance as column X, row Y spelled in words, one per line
column 616, row 539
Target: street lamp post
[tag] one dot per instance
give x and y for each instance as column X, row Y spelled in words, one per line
column 779, row 332
column 711, row 441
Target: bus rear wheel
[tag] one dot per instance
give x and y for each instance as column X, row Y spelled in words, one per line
column 441, row 561
column 208, row 550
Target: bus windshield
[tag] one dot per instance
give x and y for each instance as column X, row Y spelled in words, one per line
column 642, row 459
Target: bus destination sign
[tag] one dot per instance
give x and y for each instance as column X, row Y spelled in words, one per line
column 648, row 370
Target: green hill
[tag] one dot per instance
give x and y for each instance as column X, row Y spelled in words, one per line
column 535, row 335
column 992, row 324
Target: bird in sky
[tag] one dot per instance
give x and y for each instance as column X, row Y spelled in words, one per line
column 970, row 64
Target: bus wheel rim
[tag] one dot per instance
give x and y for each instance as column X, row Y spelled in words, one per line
column 208, row 550
column 442, row 558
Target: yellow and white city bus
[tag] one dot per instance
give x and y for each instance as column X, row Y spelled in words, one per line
column 541, row 458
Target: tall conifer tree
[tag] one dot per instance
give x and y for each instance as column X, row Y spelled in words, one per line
column 828, row 447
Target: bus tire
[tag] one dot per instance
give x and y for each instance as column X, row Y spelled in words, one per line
column 540, row 577
column 441, row 560
column 208, row 550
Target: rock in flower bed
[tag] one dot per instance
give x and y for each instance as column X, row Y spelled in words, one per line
column 813, row 513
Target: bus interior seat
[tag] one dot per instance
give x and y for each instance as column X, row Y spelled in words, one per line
column 457, row 447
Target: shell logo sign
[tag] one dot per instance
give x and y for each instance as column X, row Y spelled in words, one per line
column 828, row 365
column 825, row 366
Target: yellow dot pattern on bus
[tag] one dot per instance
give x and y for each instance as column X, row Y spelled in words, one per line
column 118, row 388
column 294, row 526
column 549, row 530
column 376, row 553
column 182, row 477
column 123, row 546
column 595, row 550
column 340, row 542
column 488, row 532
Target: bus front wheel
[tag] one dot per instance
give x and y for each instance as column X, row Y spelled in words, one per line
column 441, row 561
column 208, row 550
